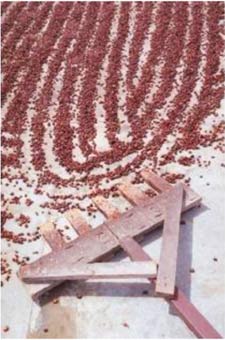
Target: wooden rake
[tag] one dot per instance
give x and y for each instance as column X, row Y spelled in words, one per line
column 121, row 231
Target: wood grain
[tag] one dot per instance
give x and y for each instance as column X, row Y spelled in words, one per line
column 105, row 207
column 156, row 182
column 52, row 236
column 113, row 270
column 100, row 242
column 166, row 278
column 197, row 323
column 77, row 221
column 56, row 242
column 132, row 193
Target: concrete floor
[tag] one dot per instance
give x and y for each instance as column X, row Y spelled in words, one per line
column 120, row 310
column 116, row 310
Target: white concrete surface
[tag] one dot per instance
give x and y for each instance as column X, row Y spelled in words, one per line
column 109, row 310
column 114, row 310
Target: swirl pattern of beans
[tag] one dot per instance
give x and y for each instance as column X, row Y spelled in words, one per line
column 94, row 91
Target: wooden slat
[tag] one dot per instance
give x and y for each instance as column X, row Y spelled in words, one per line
column 107, row 211
column 132, row 193
column 166, row 278
column 56, row 242
column 113, row 270
column 156, row 182
column 77, row 221
column 105, row 207
column 192, row 317
column 132, row 248
column 135, row 196
column 52, row 236
column 95, row 244
column 161, row 185
column 197, row 323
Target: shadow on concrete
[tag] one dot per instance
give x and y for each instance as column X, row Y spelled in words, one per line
column 184, row 260
column 83, row 289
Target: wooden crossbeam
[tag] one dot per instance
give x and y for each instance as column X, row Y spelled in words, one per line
column 149, row 211
column 161, row 185
column 113, row 270
column 77, row 221
column 197, row 323
column 56, row 242
column 187, row 311
column 99, row 243
column 166, row 278
column 93, row 246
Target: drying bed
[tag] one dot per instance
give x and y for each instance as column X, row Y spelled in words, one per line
column 95, row 91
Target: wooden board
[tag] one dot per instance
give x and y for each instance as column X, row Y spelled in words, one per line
column 148, row 215
column 56, row 242
column 52, row 236
column 77, row 221
column 113, row 270
column 160, row 184
column 166, row 278
column 98, row 242
column 101, row 244
column 105, row 207
column 134, row 195
column 156, row 182
column 197, row 323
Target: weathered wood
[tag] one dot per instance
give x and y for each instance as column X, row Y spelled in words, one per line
column 52, row 236
column 107, row 270
column 197, row 323
column 166, row 278
column 56, row 242
column 132, row 248
column 105, row 207
column 161, row 185
column 148, row 215
column 77, row 221
column 136, row 196
column 99, row 242
column 132, row 193
column 90, row 247
column 156, row 182
column 187, row 311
